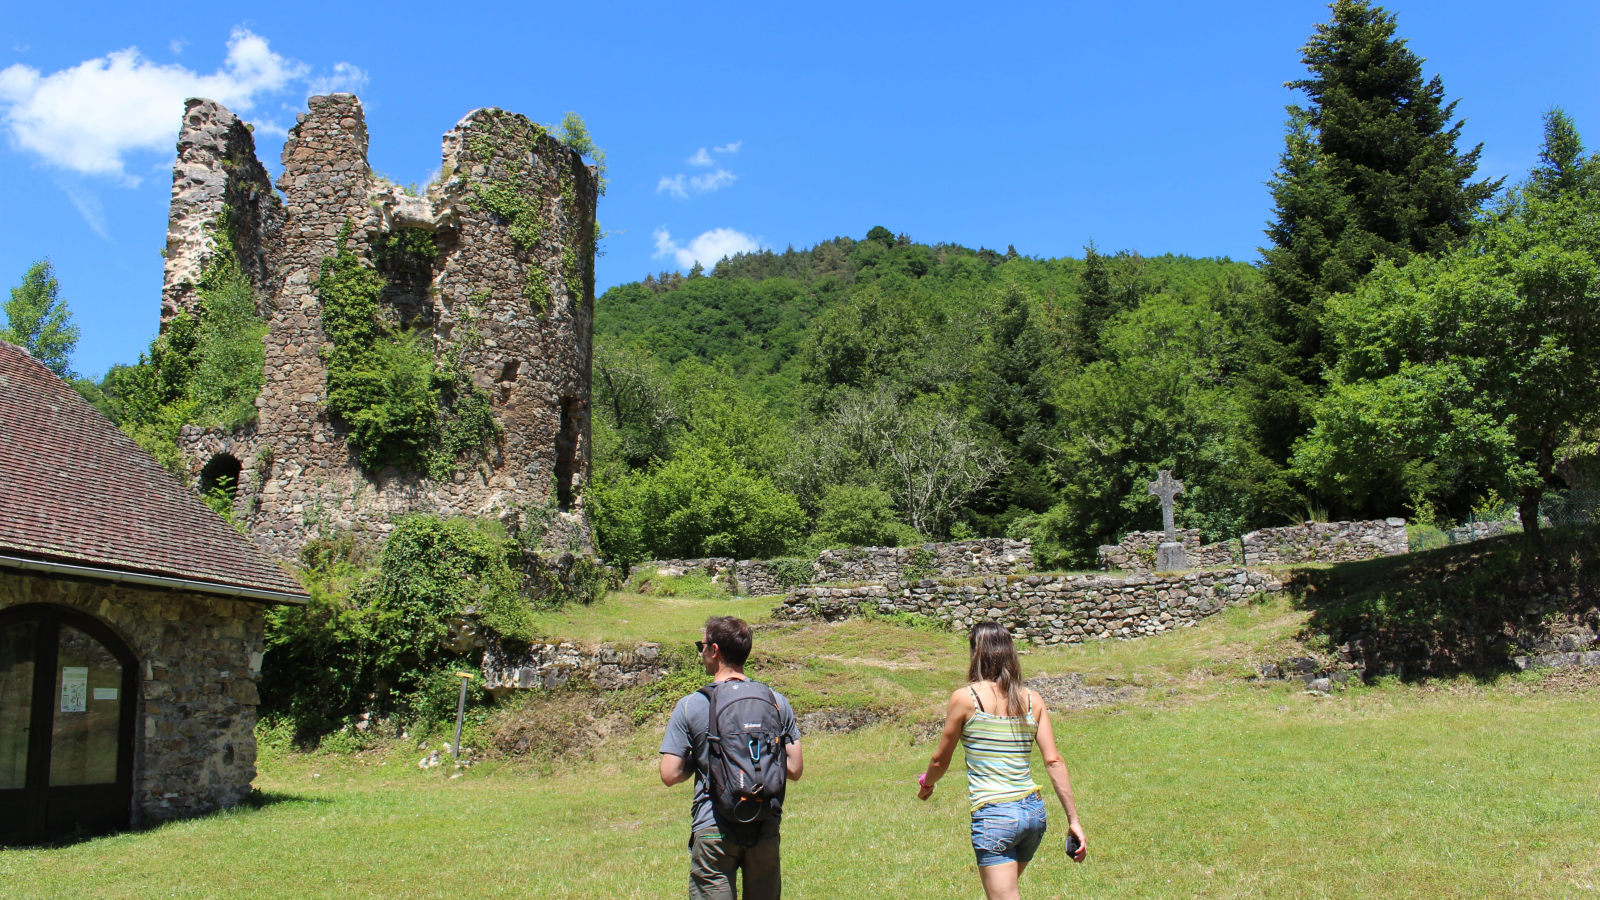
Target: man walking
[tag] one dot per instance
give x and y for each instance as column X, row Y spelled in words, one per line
column 734, row 817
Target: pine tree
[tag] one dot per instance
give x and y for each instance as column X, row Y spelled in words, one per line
column 38, row 320
column 1370, row 171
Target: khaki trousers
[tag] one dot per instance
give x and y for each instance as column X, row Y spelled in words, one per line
column 714, row 860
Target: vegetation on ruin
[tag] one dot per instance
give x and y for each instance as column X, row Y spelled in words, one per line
column 376, row 634
column 203, row 369
column 403, row 408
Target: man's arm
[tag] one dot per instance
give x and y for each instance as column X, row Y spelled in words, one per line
column 675, row 771
column 793, row 765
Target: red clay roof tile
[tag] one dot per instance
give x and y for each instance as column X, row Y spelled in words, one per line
column 75, row 488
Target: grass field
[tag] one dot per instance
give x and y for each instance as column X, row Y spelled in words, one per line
column 1196, row 785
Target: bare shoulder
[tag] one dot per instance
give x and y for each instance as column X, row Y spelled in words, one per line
column 961, row 697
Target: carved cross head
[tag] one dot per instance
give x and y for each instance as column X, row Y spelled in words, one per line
column 1166, row 487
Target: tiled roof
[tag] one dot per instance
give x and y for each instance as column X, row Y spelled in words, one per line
column 74, row 488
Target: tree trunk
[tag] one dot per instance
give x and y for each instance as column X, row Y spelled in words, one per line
column 1528, row 508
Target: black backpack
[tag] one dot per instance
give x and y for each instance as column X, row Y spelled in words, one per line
column 748, row 745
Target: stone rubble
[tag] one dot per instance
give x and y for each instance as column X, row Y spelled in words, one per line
column 553, row 665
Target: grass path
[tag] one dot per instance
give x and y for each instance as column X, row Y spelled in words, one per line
column 1395, row 792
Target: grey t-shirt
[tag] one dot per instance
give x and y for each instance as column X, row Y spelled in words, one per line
column 686, row 738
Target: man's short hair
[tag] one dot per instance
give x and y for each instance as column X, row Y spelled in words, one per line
column 732, row 637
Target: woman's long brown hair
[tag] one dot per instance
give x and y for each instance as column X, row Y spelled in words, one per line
column 994, row 658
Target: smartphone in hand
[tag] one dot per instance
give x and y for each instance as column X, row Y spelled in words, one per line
column 1073, row 846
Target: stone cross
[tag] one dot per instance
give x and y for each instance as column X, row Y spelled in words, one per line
column 1166, row 487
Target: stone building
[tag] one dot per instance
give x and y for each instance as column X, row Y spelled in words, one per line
column 501, row 293
column 130, row 625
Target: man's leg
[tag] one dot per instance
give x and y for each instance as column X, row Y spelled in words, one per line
column 763, row 869
column 712, row 862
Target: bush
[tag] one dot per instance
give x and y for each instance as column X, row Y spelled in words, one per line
column 697, row 505
column 378, row 637
column 855, row 516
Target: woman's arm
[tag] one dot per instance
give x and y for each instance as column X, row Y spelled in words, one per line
column 955, row 716
column 1056, row 768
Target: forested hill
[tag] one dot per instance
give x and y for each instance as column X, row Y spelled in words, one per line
column 893, row 391
column 753, row 311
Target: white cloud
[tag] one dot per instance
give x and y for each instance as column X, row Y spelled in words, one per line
column 346, row 78
column 728, row 148
column 176, row 45
column 673, row 186
column 700, row 158
column 90, row 117
column 707, row 249
column 719, row 179
column 680, row 185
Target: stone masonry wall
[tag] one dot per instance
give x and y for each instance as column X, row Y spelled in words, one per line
column 299, row 477
column 553, row 665
column 199, row 661
column 1311, row 542
column 955, row 559
column 1047, row 609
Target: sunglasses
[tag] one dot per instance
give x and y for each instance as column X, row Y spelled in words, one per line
column 700, row 646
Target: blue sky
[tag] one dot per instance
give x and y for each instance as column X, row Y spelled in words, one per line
column 1148, row 126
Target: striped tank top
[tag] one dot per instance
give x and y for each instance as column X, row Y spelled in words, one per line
column 998, row 748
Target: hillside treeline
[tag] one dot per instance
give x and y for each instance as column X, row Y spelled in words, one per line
column 1415, row 340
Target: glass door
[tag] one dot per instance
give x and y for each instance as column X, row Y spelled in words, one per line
column 66, row 723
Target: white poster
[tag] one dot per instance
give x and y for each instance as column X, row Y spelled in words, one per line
column 74, row 688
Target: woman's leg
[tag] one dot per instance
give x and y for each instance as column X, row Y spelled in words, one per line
column 1000, row 882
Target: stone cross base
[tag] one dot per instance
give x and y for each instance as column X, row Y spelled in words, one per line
column 1170, row 557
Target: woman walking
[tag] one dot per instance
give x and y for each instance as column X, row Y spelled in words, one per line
column 998, row 720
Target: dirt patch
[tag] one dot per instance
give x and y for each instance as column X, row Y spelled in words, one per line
column 561, row 726
column 1069, row 692
column 840, row 721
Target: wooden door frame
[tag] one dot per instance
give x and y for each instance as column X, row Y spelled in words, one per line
column 47, row 637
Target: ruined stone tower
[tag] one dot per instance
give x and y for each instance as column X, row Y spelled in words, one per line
column 502, row 296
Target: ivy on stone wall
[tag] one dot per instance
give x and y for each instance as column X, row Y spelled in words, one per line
column 204, row 369
column 517, row 198
column 401, row 407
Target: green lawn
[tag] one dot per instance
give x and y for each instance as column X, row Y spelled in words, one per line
column 1200, row 786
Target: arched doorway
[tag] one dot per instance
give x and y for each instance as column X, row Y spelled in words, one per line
column 67, row 723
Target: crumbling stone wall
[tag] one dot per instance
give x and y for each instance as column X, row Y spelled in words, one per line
column 1311, row 542
column 299, row 477
column 1047, row 609
column 199, row 659
column 552, row 665
column 954, row 559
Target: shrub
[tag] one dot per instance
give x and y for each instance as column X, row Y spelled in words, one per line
column 854, row 516
column 697, row 505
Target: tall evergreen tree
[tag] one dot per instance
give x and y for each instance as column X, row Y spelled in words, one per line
column 1370, row 171
column 38, row 320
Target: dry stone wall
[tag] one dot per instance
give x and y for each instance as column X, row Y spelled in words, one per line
column 1311, row 542
column 553, row 665
column 1047, row 609
column 955, row 559
column 769, row 577
column 199, row 659
column 514, row 306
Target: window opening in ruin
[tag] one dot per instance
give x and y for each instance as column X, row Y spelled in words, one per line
column 220, row 477
column 566, row 453
column 508, row 375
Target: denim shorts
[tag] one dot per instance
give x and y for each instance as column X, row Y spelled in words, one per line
column 1008, row 832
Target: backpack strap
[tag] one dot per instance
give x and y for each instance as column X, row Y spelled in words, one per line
column 712, row 738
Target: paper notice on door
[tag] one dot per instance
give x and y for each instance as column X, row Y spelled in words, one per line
column 105, row 693
column 74, row 688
